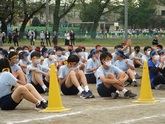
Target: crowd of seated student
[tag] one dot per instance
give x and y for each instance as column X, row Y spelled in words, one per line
column 76, row 68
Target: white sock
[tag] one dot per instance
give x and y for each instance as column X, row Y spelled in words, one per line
column 134, row 73
column 44, row 100
column 44, row 87
column 86, row 88
column 133, row 79
column 38, row 102
column 117, row 91
column 80, row 89
column 124, row 91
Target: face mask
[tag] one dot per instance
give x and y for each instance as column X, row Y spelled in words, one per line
column 80, row 54
column 156, row 57
column 59, row 53
column 52, row 57
column 12, row 50
column 74, row 67
column 26, row 51
column 108, row 63
column 37, row 61
column 16, row 61
column 46, row 54
column 148, row 53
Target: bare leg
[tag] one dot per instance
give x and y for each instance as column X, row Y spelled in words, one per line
column 112, row 77
column 37, row 79
column 72, row 80
column 22, row 92
column 33, row 91
column 131, row 74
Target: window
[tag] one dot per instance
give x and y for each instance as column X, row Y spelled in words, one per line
column 163, row 13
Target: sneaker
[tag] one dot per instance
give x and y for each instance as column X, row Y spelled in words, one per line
column 84, row 95
column 134, row 83
column 138, row 76
column 114, row 95
column 160, row 87
column 47, row 91
column 41, row 105
column 129, row 94
column 126, row 83
column 90, row 94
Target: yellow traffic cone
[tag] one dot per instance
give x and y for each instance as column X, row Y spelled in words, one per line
column 54, row 98
column 145, row 91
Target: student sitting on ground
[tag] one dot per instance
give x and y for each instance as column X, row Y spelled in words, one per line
column 136, row 57
column 16, row 69
column 91, row 66
column 110, row 79
column 51, row 59
column 9, row 100
column 127, row 66
column 37, row 74
column 71, row 78
column 146, row 55
column 156, row 70
column 24, row 61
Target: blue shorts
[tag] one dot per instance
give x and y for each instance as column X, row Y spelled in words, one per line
column 103, row 91
column 91, row 79
column 7, row 103
column 38, row 86
column 69, row 91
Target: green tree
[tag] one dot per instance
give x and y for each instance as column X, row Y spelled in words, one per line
column 60, row 10
column 7, row 12
column 139, row 13
column 29, row 10
column 92, row 12
column 35, row 22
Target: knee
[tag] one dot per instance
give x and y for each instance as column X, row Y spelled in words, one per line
column 22, row 89
column 110, row 75
column 72, row 73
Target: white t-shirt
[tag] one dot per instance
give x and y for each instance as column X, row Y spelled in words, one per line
column 103, row 72
column 29, row 72
column 6, row 83
column 122, row 65
column 91, row 64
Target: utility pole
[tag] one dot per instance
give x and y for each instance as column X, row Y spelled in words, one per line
column 47, row 14
column 126, row 20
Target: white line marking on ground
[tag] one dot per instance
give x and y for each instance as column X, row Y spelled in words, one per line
column 140, row 119
column 45, row 118
column 79, row 112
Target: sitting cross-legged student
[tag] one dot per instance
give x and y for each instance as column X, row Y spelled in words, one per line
column 91, row 66
column 110, row 79
column 71, row 77
column 37, row 74
column 9, row 99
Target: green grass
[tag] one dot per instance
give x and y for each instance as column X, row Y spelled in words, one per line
column 88, row 42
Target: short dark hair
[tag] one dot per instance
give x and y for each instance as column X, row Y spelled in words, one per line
column 11, row 48
column 4, row 64
column 146, row 48
column 35, row 53
column 25, row 47
column 59, row 48
column 78, row 50
column 104, row 55
column 11, row 54
column 136, row 47
column 73, row 58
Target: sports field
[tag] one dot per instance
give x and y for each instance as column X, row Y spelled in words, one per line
column 92, row 111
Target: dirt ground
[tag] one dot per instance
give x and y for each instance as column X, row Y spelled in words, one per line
column 92, row 111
